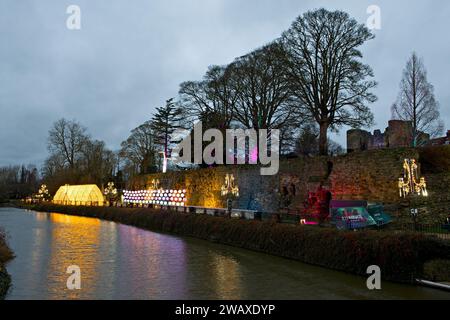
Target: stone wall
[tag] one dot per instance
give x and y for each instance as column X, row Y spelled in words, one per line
column 371, row 175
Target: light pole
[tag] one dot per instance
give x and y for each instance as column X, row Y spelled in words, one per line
column 164, row 166
column 229, row 189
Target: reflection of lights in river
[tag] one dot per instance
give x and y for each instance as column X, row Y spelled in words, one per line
column 74, row 242
column 227, row 276
column 164, row 262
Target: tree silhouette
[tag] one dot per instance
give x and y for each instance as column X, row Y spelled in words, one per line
column 325, row 70
column 416, row 101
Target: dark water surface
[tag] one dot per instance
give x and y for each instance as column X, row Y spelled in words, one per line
column 123, row 262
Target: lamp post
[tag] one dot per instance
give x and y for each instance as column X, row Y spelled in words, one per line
column 229, row 189
column 411, row 186
column 164, row 166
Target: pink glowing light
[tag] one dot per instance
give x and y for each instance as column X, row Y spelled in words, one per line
column 254, row 155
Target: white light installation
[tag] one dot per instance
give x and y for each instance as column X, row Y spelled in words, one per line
column 159, row 197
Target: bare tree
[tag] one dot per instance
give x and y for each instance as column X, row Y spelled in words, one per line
column 307, row 142
column 98, row 163
column 262, row 88
column 66, row 139
column 139, row 150
column 416, row 101
column 212, row 99
column 325, row 70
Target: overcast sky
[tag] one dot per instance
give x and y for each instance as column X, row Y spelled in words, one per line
column 130, row 56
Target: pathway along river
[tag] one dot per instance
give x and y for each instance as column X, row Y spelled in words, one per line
column 123, row 262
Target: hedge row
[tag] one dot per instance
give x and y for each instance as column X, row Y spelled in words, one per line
column 401, row 256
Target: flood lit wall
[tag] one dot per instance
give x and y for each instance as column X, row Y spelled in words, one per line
column 369, row 175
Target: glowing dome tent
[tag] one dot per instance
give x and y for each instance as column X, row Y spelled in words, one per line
column 81, row 195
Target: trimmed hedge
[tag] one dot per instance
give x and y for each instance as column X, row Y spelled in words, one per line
column 437, row 270
column 401, row 256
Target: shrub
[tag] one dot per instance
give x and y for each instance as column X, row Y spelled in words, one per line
column 5, row 252
column 437, row 270
column 435, row 159
column 401, row 256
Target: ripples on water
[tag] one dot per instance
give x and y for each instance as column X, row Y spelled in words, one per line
column 123, row 262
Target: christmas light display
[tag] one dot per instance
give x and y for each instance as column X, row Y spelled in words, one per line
column 410, row 184
column 158, row 197
column 43, row 193
column 110, row 190
column 229, row 188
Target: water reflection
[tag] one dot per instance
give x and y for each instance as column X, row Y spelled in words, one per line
column 122, row 262
column 74, row 241
column 227, row 277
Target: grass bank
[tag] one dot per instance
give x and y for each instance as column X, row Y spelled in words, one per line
column 401, row 256
column 5, row 255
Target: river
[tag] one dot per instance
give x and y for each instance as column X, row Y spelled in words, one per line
column 123, row 262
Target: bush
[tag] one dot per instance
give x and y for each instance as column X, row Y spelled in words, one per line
column 400, row 256
column 437, row 270
column 5, row 252
column 435, row 159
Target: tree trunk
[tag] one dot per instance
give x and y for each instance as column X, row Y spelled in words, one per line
column 323, row 139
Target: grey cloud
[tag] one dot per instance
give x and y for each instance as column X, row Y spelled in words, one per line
column 130, row 57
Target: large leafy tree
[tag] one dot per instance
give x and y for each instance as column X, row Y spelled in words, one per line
column 325, row 70
column 262, row 89
column 416, row 101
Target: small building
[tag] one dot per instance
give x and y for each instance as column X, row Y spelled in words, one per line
column 441, row 141
column 79, row 195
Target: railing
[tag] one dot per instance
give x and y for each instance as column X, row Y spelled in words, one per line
column 440, row 230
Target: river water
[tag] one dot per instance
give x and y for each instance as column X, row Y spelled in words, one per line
column 123, row 262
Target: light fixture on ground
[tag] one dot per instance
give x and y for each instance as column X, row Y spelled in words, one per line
column 110, row 192
column 43, row 193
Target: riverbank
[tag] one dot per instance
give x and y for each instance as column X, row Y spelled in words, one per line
column 5, row 255
column 401, row 256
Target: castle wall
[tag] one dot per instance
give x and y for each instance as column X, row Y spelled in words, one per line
column 371, row 175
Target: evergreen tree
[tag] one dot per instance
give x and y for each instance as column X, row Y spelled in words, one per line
column 165, row 122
